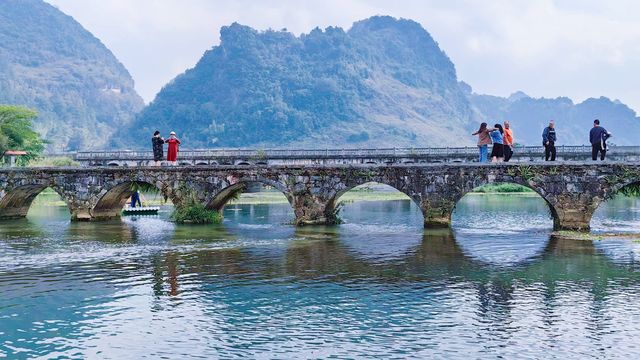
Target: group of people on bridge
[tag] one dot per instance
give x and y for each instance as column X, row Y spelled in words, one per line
column 158, row 142
column 503, row 142
column 500, row 137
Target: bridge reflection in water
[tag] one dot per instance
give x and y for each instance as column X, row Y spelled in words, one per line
column 276, row 281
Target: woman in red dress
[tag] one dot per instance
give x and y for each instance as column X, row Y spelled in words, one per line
column 172, row 152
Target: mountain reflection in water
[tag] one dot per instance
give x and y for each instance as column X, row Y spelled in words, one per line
column 498, row 284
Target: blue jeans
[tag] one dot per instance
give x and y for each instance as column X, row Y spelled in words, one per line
column 483, row 153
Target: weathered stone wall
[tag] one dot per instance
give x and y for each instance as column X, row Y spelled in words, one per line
column 573, row 191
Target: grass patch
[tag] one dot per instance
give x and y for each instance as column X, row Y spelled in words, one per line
column 195, row 213
column 576, row 235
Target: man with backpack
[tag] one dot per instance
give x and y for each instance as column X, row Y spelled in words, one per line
column 598, row 138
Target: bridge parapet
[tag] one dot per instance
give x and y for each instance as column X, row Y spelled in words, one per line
column 572, row 190
column 252, row 157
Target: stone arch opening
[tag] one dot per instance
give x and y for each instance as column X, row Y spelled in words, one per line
column 503, row 206
column 374, row 202
column 17, row 201
column 236, row 189
column 112, row 201
column 620, row 211
column 261, row 200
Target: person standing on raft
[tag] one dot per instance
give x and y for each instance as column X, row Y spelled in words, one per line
column 172, row 152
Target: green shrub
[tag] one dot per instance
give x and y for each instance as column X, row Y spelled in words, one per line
column 195, row 213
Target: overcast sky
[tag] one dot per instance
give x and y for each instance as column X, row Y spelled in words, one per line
column 550, row 48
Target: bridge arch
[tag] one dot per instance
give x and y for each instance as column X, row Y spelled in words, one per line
column 626, row 192
column 236, row 186
column 441, row 201
column 332, row 206
column 16, row 201
column 111, row 200
column 537, row 190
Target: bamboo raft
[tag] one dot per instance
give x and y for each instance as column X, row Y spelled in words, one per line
column 144, row 210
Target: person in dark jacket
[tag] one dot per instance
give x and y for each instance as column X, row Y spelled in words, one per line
column 598, row 138
column 158, row 148
column 549, row 142
column 135, row 199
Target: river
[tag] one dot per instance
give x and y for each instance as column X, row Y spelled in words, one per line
column 499, row 284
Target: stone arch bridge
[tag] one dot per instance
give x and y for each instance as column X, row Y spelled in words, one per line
column 572, row 190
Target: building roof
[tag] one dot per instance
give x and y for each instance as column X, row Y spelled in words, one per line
column 15, row 152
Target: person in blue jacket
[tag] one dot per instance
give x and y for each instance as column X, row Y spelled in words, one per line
column 598, row 138
column 549, row 142
column 497, row 137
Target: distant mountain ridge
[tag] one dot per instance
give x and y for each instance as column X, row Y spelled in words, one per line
column 49, row 62
column 385, row 82
column 530, row 116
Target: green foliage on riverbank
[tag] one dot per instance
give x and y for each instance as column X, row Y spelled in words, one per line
column 195, row 213
column 16, row 132
column 502, row 188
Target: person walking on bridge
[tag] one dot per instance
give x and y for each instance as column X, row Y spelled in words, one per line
column 598, row 138
column 484, row 139
column 172, row 152
column 158, row 148
column 508, row 141
column 549, row 142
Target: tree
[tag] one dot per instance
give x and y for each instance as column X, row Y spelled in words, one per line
column 16, row 132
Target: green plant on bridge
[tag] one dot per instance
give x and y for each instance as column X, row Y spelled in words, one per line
column 626, row 176
column 260, row 155
column 526, row 172
column 553, row 171
column 367, row 175
column 631, row 190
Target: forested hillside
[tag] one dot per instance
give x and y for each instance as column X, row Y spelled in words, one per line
column 385, row 82
column 50, row 63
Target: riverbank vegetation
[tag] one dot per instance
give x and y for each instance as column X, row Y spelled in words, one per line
column 502, row 188
column 587, row 236
column 16, row 133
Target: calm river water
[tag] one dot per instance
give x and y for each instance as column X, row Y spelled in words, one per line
column 497, row 285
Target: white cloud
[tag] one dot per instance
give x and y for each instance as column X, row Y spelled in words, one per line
column 577, row 48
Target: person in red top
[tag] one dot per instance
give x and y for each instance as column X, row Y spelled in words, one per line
column 172, row 152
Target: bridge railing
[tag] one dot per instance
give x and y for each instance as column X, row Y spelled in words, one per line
column 441, row 152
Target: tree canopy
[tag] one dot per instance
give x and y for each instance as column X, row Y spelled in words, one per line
column 16, row 132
